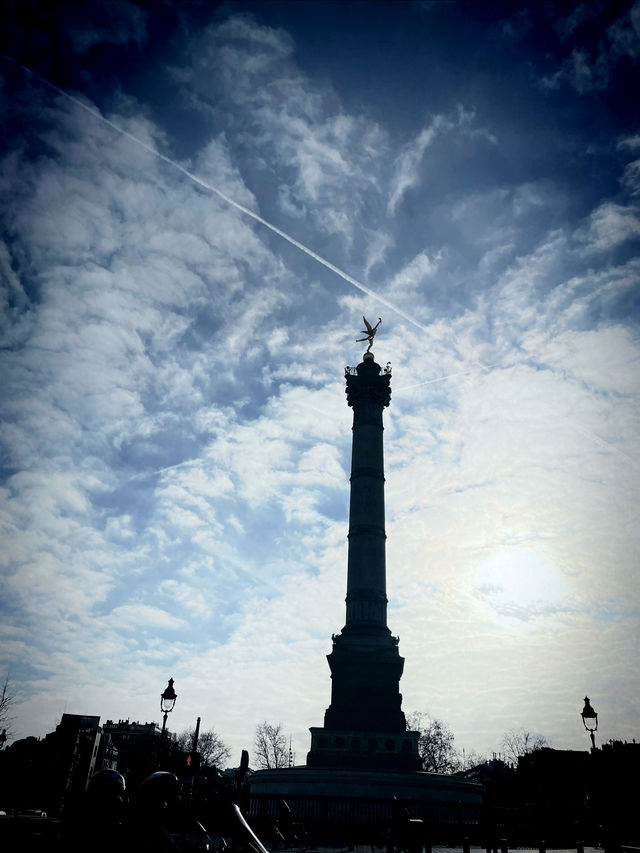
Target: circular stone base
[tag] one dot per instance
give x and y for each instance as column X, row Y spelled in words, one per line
column 328, row 798
column 370, row 784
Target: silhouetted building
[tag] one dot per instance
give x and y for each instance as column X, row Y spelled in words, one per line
column 564, row 795
column 107, row 753
column 140, row 748
column 613, row 791
column 53, row 772
column 76, row 750
column 72, row 752
column 50, row 773
column 25, row 781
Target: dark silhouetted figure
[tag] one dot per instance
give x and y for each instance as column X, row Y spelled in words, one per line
column 99, row 820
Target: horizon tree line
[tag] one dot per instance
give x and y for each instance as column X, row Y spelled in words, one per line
column 272, row 747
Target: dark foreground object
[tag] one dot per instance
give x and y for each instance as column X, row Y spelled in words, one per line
column 132, row 832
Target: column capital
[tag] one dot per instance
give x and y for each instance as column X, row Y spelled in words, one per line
column 369, row 384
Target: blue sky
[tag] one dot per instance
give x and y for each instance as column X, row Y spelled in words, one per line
column 175, row 437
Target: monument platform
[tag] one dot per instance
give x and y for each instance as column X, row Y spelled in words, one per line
column 333, row 796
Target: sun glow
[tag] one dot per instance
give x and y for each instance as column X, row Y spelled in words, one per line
column 519, row 583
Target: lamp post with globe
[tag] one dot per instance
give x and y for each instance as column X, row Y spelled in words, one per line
column 167, row 703
column 590, row 720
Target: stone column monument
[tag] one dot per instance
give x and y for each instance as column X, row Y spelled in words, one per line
column 364, row 726
column 363, row 759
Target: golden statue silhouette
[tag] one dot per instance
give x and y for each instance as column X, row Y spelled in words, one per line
column 370, row 332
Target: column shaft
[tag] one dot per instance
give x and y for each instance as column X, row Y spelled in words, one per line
column 366, row 573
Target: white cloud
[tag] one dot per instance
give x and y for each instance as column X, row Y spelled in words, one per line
column 583, row 13
column 245, row 28
column 134, row 617
column 624, row 34
column 413, row 279
column 313, row 148
column 585, row 71
column 408, row 164
column 631, row 177
column 191, row 598
column 630, row 142
column 408, row 161
column 609, row 226
column 125, row 22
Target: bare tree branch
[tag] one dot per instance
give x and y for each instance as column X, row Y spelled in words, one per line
column 518, row 742
column 7, row 698
column 270, row 748
column 435, row 746
column 213, row 751
column 471, row 759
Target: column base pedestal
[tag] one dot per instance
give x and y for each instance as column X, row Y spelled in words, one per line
column 361, row 750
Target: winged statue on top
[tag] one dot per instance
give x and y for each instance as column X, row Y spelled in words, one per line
column 369, row 332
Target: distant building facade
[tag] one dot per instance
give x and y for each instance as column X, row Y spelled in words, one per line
column 53, row 772
column 140, row 748
column 72, row 751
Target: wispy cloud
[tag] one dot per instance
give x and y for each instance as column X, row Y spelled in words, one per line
column 588, row 68
column 408, row 162
column 175, row 438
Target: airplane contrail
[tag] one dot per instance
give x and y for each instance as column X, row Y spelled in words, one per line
column 344, row 275
column 586, row 432
column 603, row 442
column 448, row 376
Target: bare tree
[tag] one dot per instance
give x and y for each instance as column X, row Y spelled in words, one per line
column 7, row 698
column 470, row 758
column 517, row 742
column 213, row 751
column 435, row 746
column 270, row 748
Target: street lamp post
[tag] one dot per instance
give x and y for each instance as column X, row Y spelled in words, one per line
column 590, row 720
column 167, row 702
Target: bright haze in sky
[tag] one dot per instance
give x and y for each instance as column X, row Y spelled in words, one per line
column 175, row 436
